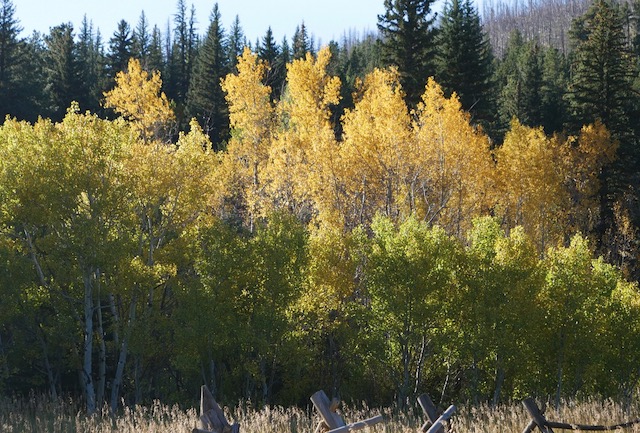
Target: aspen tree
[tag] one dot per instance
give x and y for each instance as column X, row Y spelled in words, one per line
column 303, row 160
column 530, row 181
column 377, row 150
column 137, row 97
column 453, row 178
column 251, row 117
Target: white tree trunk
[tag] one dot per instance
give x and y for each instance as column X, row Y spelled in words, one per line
column 122, row 358
column 102, row 357
column 89, row 390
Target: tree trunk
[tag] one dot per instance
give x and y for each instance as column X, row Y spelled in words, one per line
column 263, row 378
column 446, row 381
column 47, row 364
column 5, row 366
column 560, row 370
column 421, row 357
column 212, row 380
column 89, row 390
column 122, row 358
column 475, row 380
column 137, row 373
column 406, row 360
column 498, row 386
column 102, row 357
column 115, row 317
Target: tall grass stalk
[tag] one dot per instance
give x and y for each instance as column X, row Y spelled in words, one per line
column 42, row 415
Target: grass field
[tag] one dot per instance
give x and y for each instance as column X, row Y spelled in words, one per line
column 43, row 416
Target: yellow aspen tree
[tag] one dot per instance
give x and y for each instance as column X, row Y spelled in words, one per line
column 251, row 117
column 302, row 160
column 376, row 152
column 171, row 184
column 138, row 98
column 530, row 181
column 585, row 155
column 452, row 172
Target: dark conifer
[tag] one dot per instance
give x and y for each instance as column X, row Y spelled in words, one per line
column 407, row 42
column 269, row 51
column 555, row 72
column 142, row 41
column 601, row 89
column 91, row 65
column 464, row 59
column 119, row 49
column 62, row 70
column 9, row 57
column 236, row 44
column 301, row 44
column 601, row 69
column 181, row 58
column 155, row 60
column 519, row 77
column 205, row 99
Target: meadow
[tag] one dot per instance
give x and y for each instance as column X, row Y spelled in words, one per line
column 42, row 415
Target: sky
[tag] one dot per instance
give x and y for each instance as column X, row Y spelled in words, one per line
column 326, row 20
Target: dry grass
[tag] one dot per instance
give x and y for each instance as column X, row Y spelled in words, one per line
column 64, row 416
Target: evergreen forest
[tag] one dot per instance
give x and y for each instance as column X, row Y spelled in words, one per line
column 450, row 205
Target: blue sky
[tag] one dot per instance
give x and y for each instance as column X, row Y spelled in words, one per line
column 325, row 19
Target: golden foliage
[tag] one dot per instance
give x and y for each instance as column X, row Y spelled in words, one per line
column 138, row 98
column 302, row 159
column 585, row 157
column 550, row 186
column 376, row 153
column 531, row 183
column 251, row 116
column 452, row 164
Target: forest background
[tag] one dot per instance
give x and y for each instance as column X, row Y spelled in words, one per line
column 270, row 218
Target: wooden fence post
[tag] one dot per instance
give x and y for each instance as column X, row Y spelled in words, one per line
column 212, row 417
column 437, row 425
column 537, row 417
column 430, row 412
column 331, row 421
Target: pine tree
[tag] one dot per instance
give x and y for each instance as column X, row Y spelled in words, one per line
column 30, row 85
column 236, row 43
column 269, row 51
column 155, row 60
column 205, row 99
column 407, row 42
column 285, row 53
column 280, row 69
column 119, row 49
column 62, row 70
column 182, row 53
column 464, row 59
column 555, row 72
column 91, row 68
column 9, row 56
column 141, row 40
column 601, row 69
column 519, row 76
column 301, row 44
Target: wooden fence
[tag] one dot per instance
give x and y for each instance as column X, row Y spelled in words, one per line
column 434, row 423
column 212, row 418
column 545, row 426
column 331, row 421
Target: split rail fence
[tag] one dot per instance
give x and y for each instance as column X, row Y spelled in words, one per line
column 213, row 420
column 539, row 421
